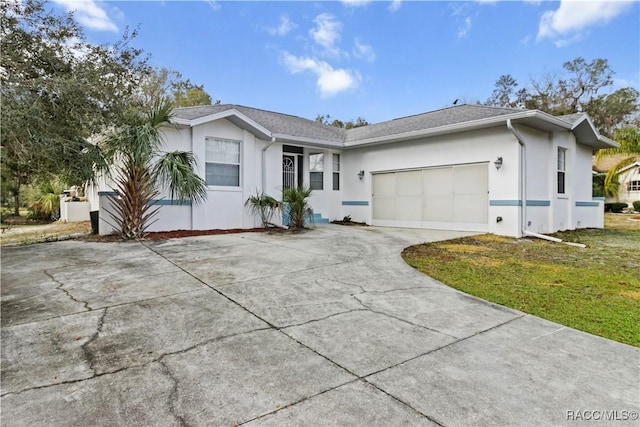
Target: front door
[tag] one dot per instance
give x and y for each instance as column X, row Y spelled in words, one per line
column 291, row 171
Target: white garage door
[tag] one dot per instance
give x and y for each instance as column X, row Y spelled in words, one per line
column 449, row 197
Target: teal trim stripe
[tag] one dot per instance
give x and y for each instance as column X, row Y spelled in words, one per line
column 589, row 204
column 538, row 203
column 505, row 202
column 159, row 202
column 598, row 198
column 519, row 203
column 355, row 203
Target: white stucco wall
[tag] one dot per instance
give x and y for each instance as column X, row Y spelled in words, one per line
column 540, row 177
column 325, row 202
column 457, row 149
column 587, row 212
column 546, row 211
column 224, row 207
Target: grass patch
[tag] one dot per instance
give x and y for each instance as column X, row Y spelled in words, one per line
column 28, row 234
column 596, row 289
column 622, row 221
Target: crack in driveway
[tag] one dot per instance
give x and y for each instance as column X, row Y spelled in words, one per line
column 60, row 287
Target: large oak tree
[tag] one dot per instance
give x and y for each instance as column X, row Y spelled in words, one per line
column 57, row 91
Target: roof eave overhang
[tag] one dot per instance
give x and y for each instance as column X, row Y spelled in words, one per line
column 308, row 142
column 235, row 117
column 587, row 134
column 532, row 118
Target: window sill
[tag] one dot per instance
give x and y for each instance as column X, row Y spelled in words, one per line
column 224, row 188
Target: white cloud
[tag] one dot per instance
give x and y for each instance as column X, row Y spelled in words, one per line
column 363, row 51
column 327, row 31
column 283, row 29
column 465, row 27
column 395, row 5
column 89, row 14
column 330, row 81
column 565, row 25
column 355, row 3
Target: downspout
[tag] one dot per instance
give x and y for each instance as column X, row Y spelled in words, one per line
column 264, row 164
column 523, row 191
column 191, row 204
column 523, row 175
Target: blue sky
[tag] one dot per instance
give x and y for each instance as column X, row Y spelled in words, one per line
column 375, row 59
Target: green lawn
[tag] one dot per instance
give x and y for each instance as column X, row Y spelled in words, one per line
column 596, row 289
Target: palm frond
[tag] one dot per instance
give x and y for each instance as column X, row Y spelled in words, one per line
column 176, row 171
column 611, row 179
column 298, row 206
column 262, row 205
column 629, row 140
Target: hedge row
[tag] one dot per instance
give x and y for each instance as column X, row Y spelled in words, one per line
column 615, row 207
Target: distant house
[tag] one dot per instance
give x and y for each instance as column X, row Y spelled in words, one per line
column 629, row 178
column 477, row 168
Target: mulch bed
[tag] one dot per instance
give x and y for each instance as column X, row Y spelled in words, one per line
column 349, row 223
column 176, row 234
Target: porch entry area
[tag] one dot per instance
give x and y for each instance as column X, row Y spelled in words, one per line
column 292, row 166
column 293, row 177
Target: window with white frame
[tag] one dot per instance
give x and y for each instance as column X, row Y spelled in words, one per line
column 316, row 171
column 222, row 164
column 336, row 171
column 633, row 185
column 562, row 170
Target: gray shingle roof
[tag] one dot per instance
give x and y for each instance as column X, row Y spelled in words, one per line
column 430, row 120
column 571, row 118
column 275, row 122
column 286, row 124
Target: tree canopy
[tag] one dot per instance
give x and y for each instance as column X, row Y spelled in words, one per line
column 58, row 91
column 578, row 87
column 168, row 86
column 326, row 119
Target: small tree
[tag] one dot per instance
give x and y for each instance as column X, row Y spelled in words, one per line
column 629, row 140
column 295, row 200
column 263, row 206
column 141, row 169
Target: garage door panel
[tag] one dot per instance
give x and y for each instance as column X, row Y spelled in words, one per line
column 384, row 185
column 384, row 208
column 437, row 181
column 438, row 208
column 446, row 195
column 409, row 183
column 470, row 179
column 408, row 208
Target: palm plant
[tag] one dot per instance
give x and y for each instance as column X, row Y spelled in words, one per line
column 140, row 170
column 264, row 206
column 299, row 210
column 45, row 197
column 629, row 140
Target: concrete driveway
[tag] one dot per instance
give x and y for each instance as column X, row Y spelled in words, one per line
column 326, row 327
